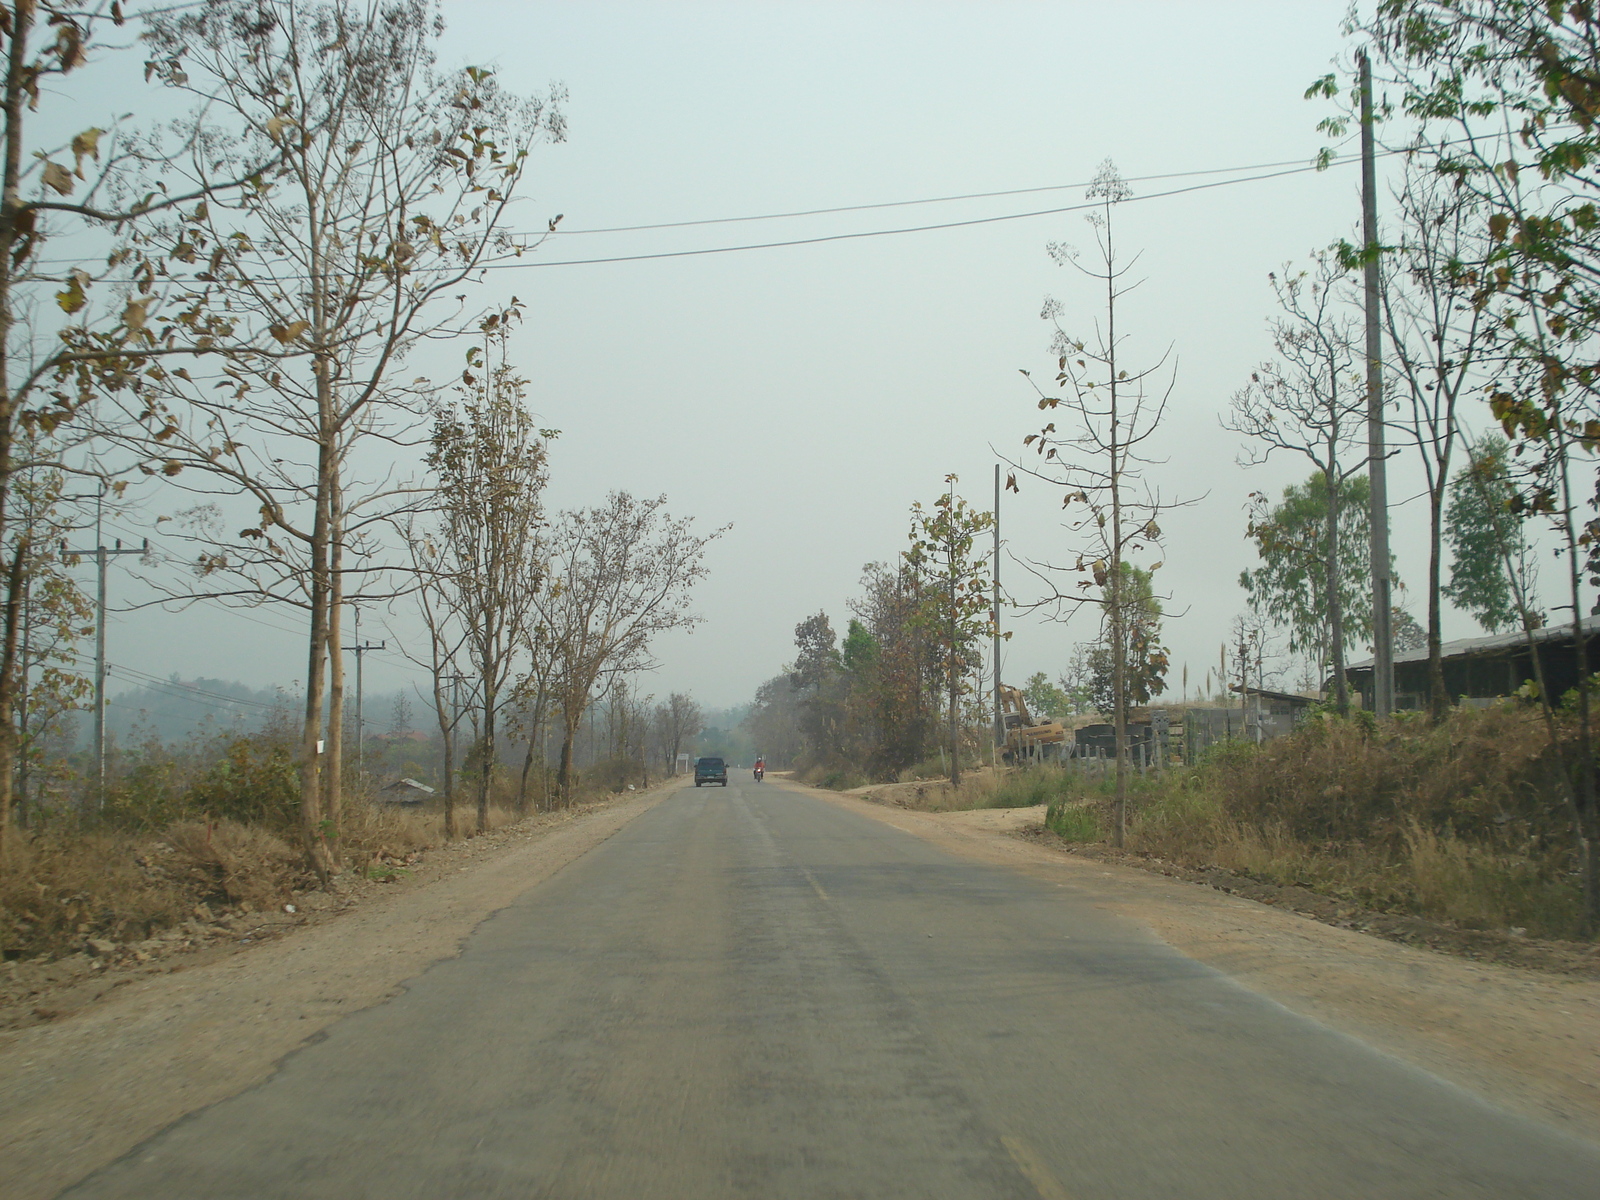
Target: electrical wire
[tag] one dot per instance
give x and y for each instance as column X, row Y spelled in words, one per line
column 1292, row 167
column 157, row 683
column 846, row 208
column 872, row 233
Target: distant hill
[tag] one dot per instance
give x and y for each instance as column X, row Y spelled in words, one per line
column 173, row 708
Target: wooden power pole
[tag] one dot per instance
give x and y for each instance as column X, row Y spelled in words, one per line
column 1377, row 474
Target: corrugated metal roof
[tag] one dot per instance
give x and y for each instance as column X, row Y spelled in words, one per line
column 1469, row 647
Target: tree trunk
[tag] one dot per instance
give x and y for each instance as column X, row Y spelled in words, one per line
column 569, row 734
column 955, row 703
column 8, row 683
column 1341, row 685
column 1438, row 700
column 486, row 754
column 16, row 90
column 311, row 816
column 522, row 780
column 333, row 758
column 446, row 741
column 1588, row 837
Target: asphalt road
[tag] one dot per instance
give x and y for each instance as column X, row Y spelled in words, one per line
column 751, row 992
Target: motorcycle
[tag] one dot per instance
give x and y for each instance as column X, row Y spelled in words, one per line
column 759, row 772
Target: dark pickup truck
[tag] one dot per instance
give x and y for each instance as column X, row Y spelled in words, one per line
column 710, row 770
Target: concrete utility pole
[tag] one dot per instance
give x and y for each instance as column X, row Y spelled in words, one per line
column 101, row 554
column 360, row 650
column 994, row 616
column 1377, row 474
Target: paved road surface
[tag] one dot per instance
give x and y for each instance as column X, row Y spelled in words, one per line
column 751, row 992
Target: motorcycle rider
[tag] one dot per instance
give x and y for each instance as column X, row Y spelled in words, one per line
column 761, row 768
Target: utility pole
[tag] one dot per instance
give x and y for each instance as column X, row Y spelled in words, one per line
column 950, row 562
column 101, row 553
column 994, row 621
column 360, row 650
column 1377, row 474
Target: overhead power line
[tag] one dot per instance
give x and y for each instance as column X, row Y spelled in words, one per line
column 846, row 208
column 1271, row 171
column 872, row 233
column 156, row 682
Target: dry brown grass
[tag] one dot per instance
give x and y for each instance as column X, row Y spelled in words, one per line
column 1464, row 821
column 59, row 889
column 62, row 885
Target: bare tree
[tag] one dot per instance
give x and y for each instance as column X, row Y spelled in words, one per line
column 1098, row 461
column 1310, row 401
column 532, row 699
column 445, row 651
column 678, row 719
column 1438, row 334
column 68, row 334
column 390, row 195
column 620, row 576
column 489, row 460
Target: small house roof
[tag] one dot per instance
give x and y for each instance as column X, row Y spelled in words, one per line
column 408, row 785
column 1286, row 697
column 1494, row 644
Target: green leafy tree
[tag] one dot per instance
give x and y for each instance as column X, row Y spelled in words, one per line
column 1406, row 630
column 1505, row 96
column 818, row 655
column 1046, row 701
column 1144, row 668
column 860, row 650
column 1308, row 401
column 956, row 603
column 1491, row 570
column 820, row 688
column 1289, row 587
column 895, row 692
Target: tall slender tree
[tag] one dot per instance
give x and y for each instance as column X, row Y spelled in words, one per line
column 1438, row 334
column 1111, row 411
column 956, row 614
column 69, row 332
column 1309, row 401
column 490, row 462
column 620, row 575
column 390, row 193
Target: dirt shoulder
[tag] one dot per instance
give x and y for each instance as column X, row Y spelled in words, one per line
column 136, row 1045
column 1526, row 1039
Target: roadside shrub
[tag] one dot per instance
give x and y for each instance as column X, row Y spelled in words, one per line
column 1073, row 822
column 256, row 781
column 1032, row 786
column 1463, row 820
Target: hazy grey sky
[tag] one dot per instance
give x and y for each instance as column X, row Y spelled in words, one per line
column 810, row 394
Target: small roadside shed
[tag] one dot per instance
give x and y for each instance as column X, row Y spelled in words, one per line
column 1486, row 668
column 406, row 791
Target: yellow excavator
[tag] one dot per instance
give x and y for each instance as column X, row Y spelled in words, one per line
column 1026, row 738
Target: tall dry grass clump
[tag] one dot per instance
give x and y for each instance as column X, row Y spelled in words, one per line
column 1465, row 820
column 60, row 889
